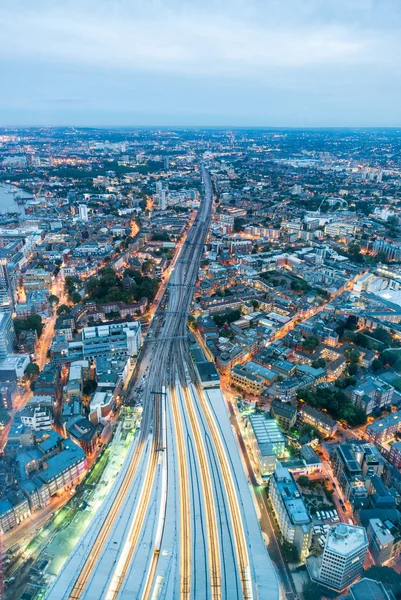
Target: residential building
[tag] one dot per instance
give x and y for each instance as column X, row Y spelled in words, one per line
column 325, row 424
column 83, row 213
column 384, row 429
column 284, row 413
column 292, row 515
column 38, row 418
column 381, row 542
column 371, row 395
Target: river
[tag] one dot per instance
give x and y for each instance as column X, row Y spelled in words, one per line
column 8, row 203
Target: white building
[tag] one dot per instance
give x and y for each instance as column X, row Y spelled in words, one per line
column 163, row 200
column 38, row 418
column 83, row 213
column 290, row 510
column 343, row 557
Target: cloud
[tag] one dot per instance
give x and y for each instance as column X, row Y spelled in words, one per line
column 127, row 53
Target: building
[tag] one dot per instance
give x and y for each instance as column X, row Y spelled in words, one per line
column 343, row 557
column 83, row 432
column 6, row 290
column 13, row 367
column 121, row 339
column 395, row 454
column 266, row 441
column 284, row 413
column 385, row 429
column 100, row 406
column 246, row 381
column 371, row 395
column 323, row 423
column 38, row 418
column 292, row 515
column 368, row 589
column 381, row 542
column 8, row 339
column 83, row 213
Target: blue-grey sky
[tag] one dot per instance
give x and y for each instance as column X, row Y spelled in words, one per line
column 200, row 62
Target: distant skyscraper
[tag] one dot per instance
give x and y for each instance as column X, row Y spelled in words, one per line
column 83, row 213
column 6, row 291
column 166, row 163
column 159, row 187
column 163, row 200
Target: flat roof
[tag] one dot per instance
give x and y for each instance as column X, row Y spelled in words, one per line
column 346, row 539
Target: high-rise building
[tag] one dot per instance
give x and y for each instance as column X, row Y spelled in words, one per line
column 163, row 200
column 7, row 334
column 83, row 213
column 6, row 291
column 343, row 557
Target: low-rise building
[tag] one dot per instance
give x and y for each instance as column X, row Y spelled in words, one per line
column 266, row 441
column 381, row 542
column 323, row 423
column 284, row 413
column 384, row 429
column 37, row 417
column 292, row 515
column 245, row 381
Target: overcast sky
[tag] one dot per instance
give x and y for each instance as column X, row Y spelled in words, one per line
column 200, row 62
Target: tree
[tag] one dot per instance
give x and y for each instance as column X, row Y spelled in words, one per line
column 228, row 317
column 303, row 480
column 352, row 369
column 311, row 589
column 27, row 323
column 310, row 343
column 90, row 386
column 32, row 371
column 290, row 552
column 255, row 304
column 376, row 365
column 320, row 363
column 76, row 298
column 53, row 299
column 387, row 576
column 63, row 310
column 239, row 224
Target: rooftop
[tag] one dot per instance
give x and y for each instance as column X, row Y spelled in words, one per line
column 346, row 539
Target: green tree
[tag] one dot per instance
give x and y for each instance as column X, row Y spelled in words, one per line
column 32, row 371
column 53, row 299
column 290, row 552
column 376, row 365
column 33, row 322
column 310, row 343
column 311, row 590
column 303, row 480
column 63, row 310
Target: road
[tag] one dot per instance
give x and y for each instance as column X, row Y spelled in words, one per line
column 179, row 521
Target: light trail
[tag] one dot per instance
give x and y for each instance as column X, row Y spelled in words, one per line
column 185, row 511
column 209, row 503
column 235, row 511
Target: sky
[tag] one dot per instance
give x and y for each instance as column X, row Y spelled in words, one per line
column 267, row 63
